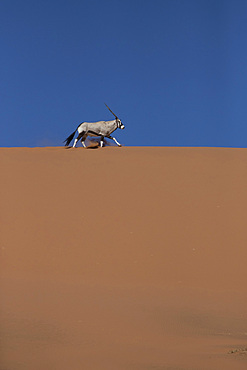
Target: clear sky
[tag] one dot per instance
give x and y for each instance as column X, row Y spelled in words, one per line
column 174, row 71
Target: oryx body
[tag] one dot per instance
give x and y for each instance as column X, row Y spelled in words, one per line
column 100, row 128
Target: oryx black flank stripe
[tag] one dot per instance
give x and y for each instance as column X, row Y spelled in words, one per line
column 94, row 133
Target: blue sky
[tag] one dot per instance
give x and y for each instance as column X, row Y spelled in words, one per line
column 174, row 71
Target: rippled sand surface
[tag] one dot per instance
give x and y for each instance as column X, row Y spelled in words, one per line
column 123, row 258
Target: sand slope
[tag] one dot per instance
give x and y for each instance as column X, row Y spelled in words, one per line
column 123, row 258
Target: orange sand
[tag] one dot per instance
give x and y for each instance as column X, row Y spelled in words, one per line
column 123, row 259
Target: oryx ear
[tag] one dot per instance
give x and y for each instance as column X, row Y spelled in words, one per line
column 111, row 111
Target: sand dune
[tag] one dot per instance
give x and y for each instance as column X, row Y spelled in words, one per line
column 123, row 258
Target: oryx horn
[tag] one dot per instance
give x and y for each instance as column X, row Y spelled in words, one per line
column 110, row 110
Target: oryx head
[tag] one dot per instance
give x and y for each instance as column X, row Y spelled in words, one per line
column 119, row 122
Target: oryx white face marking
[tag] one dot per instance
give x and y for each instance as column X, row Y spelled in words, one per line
column 119, row 124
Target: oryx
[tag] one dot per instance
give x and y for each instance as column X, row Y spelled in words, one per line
column 100, row 128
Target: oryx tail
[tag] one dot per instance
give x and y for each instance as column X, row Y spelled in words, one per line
column 70, row 138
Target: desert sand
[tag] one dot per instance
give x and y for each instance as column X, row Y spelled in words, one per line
column 129, row 258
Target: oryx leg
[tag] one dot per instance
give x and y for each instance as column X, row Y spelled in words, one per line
column 102, row 141
column 75, row 143
column 84, row 136
column 79, row 138
column 114, row 139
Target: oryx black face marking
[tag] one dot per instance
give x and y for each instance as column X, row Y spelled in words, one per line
column 100, row 128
